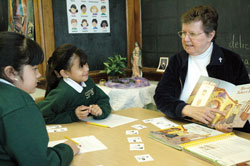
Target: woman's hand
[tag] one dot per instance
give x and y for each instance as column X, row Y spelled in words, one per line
column 226, row 128
column 203, row 114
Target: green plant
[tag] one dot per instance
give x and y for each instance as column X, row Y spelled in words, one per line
column 115, row 66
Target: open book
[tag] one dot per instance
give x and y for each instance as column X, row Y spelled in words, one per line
column 226, row 150
column 206, row 143
column 231, row 99
column 177, row 136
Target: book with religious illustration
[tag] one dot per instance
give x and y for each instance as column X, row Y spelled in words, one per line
column 177, row 136
column 208, row 144
column 233, row 100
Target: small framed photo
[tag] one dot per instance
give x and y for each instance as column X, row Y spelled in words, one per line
column 163, row 63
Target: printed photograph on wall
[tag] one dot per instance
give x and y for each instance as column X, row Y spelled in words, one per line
column 21, row 17
column 88, row 16
column 163, row 63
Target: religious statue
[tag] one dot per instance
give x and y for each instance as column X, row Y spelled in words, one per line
column 136, row 61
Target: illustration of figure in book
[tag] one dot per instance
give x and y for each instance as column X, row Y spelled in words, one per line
column 228, row 98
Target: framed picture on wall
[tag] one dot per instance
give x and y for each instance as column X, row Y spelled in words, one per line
column 163, row 63
column 21, row 17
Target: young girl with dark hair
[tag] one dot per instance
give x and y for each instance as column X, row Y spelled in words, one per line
column 23, row 136
column 71, row 95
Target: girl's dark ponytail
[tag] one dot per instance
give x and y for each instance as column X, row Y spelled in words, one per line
column 51, row 76
column 61, row 59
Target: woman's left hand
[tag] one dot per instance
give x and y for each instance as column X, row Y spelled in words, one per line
column 226, row 128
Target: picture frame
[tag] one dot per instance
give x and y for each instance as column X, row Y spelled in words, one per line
column 163, row 63
column 21, row 17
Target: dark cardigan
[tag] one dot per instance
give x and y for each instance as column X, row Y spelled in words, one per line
column 224, row 64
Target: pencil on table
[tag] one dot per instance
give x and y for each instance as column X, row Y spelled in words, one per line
column 97, row 124
column 72, row 140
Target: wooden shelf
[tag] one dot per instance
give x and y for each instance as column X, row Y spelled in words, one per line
column 151, row 74
column 148, row 73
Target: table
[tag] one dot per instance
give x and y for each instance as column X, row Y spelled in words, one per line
column 118, row 153
column 128, row 98
column 38, row 95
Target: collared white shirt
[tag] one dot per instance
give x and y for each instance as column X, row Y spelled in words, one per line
column 75, row 85
column 6, row 82
column 196, row 67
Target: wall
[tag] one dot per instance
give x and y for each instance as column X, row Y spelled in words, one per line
column 3, row 15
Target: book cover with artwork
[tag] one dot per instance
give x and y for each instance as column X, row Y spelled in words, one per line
column 177, row 136
column 233, row 100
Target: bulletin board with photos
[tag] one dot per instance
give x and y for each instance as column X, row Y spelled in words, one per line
column 88, row 16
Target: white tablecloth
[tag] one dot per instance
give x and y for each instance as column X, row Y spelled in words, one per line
column 128, row 98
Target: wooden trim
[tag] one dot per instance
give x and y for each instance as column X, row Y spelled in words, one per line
column 133, row 14
column 130, row 29
column 138, row 28
column 44, row 29
column 39, row 30
column 97, row 76
column 151, row 74
column 48, row 25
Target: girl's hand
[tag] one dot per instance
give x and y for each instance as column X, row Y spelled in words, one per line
column 95, row 110
column 82, row 112
column 73, row 147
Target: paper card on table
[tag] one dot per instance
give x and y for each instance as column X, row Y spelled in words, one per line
column 154, row 119
column 131, row 132
column 161, row 122
column 134, row 139
column 53, row 127
column 87, row 144
column 147, row 120
column 112, row 120
column 136, row 146
column 139, row 126
column 143, row 158
column 55, row 130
